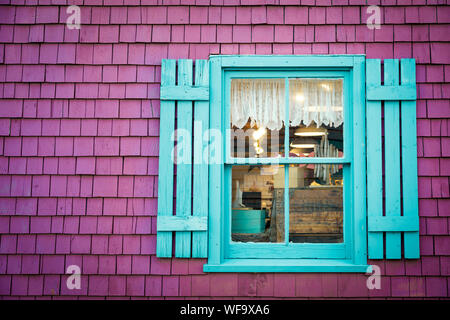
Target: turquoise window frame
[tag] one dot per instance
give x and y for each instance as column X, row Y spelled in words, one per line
column 287, row 250
column 349, row 256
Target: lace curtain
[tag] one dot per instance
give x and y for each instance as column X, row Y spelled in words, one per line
column 262, row 101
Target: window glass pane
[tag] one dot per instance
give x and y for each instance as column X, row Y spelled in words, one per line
column 257, row 118
column 316, row 118
column 256, row 192
column 316, row 203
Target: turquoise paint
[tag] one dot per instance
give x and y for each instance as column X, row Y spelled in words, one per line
column 280, row 61
column 165, row 185
column 358, row 150
column 248, row 221
column 184, row 169
column 183, row 223
column 392, row 158
column 225, row 215
column 286, row 167
column 393, row 224
column 241, row 250
column 374, row 158
column 200, row 166
column 404, row 92
column 184, row 92
column 226, row 68
column 286, row 265
column 347, row 166
column 409, row 158
column 215, row 223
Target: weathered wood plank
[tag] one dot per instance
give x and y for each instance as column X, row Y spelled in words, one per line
column 166, row 165
column 387, row 93
column 286, row 208
column 359, row 161
column 374, row 159
column 184, row 168
column 290, row 251
column 216, row 171
column 409, row 158
column 393, row 224
column 287, row 265
column 392, row 158
column 200, row 183
column 185, row 92
column 180, row 223
column 288, row 61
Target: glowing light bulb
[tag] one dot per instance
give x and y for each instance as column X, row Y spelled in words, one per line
column 299, row 97
column 325, row 86
column 259, row 133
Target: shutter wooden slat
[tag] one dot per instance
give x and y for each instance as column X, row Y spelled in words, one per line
column 165, row 186
column 200, row 184
column 374, row 165
column 393, row 224
column 186, row 223
column 184, row 156
column 190, row 220
column 409, row 155
column 400, row 161
column 392, row 158
column 391, row 92
column 184, row 93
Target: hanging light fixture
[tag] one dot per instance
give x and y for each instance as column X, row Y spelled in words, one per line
column 303, row 143
column 310, row 132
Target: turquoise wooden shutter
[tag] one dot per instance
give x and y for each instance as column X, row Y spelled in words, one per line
column 191, row 104
column 396, row 213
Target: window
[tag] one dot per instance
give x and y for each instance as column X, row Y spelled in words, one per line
column 292, row 200
column 288, row 181
column 271, row 166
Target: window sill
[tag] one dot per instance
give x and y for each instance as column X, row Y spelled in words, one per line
column 286, row 265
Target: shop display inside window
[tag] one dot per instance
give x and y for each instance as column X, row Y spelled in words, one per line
column 315, row 190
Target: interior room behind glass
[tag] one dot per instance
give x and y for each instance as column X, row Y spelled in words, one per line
column 316, row 126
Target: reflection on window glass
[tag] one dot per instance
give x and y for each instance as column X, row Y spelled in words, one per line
column 312, row 141
column 258, row 114
column 254, row 211
column 257, row 118
column 316, row 203
column 316, row 124
column 316, row 118
column 256, row 142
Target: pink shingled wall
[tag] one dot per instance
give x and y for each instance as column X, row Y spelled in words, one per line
column 79, row 126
